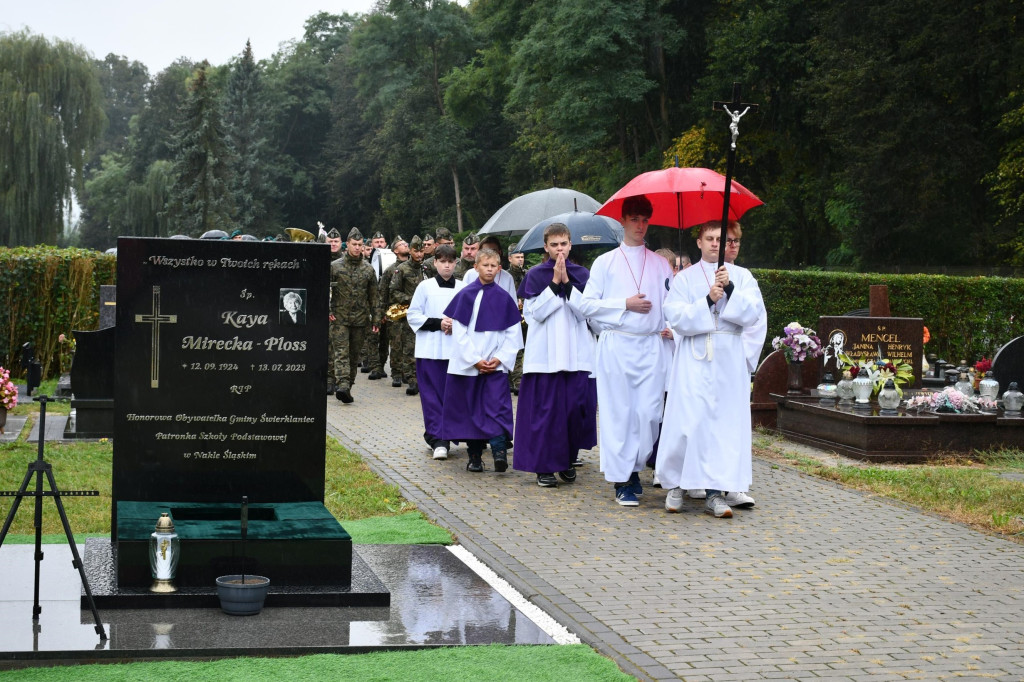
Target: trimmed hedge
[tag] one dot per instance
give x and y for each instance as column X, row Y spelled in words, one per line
column 968, row 317
column 46, row 292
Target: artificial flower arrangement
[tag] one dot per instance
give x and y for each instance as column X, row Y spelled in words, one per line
column 798, row 343
column 8, row 391
column 879, row 371
column 950, row 400
column 980, row 367
column 67, row 352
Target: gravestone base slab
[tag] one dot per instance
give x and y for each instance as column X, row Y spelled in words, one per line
column 92, row 419
column 866, row 435
column 100, row 559
column 292, row 543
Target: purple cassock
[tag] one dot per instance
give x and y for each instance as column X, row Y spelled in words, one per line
column 432, row 376
column 479, row 407
column 556, row 409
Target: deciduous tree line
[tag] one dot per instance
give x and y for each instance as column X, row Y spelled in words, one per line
column 889, row 132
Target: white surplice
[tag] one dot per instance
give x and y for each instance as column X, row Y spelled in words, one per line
column 559, row 340
column 430, row 300
column 705, row 440
column 632, row 359
column 471, row 346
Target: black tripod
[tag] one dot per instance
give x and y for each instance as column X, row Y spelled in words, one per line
column 38, row 468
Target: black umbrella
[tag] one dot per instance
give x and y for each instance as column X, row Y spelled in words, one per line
column 585, row 229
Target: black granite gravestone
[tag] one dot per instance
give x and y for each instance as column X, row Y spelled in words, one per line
column 1008, row 364
column 92, row 376
column 900, row 339
column 108, row 305
column 216, row 399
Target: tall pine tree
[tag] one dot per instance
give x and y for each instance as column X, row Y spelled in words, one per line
column 200, row 197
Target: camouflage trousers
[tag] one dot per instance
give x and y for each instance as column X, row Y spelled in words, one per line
column 346, row 340
column 375, row 348
column 403, row 351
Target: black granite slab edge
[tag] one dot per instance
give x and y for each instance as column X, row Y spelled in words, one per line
column 10, row 660
column 366, row 588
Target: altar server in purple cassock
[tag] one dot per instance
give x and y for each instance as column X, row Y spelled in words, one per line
column 434, row 343
column 487, row 333
column 623, row 301
column 557, row 396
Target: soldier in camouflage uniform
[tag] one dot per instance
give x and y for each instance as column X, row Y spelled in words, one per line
column 375, row 350
column 334, row 241
column 353, row 292
column 401, row 251
column 470, row 245
column 443, row 237
column 407, row 277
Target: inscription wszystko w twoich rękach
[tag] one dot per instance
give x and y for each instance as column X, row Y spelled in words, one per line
column 221, row 359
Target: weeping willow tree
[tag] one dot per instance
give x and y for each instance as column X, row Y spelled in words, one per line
column 51, row 111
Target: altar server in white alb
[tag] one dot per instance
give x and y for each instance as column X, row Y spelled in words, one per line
column 705, row 441
column 623, row 300
column 434, row 343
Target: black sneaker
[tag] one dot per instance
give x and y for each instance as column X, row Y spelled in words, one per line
column 547, row 481
column 577, row 462
column 475, row 464
column 569, row 475
column 500, row 461
column 344, row 395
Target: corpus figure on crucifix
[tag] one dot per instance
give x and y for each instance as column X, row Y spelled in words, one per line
column 734, row 127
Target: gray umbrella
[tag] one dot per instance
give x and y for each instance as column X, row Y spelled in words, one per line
column 585, row 229
column 520, row 214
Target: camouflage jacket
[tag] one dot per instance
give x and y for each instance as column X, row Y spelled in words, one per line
column 428, row 267
column 353, row 291
column 405, row 280
column 518, row 274
column 462, row 266
column 384, row 289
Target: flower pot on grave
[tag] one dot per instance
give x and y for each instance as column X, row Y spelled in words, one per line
column 795, row 378
column 238, row 598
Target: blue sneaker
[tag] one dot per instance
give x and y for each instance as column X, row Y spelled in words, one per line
column 624, row 496
column 634, row 484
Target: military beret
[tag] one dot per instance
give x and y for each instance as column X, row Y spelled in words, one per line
column 416, row 243
column 471, row 239
column 334, row 234
column 443, row 233
column 354, row 233
column 378, row 235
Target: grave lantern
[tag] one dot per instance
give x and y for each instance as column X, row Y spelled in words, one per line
column 863, row 387
column 888, row 399
column 827, row 392
column 988, row 388
column 163, row 555
column 844, row 389
column 1013, row 400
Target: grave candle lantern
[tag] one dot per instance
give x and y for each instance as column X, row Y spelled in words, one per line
column 844, row 389
column 863, row 387
column 163, row 555
column 827, row 392
column 1013, row 400
column 888, row 399
column 988, row 387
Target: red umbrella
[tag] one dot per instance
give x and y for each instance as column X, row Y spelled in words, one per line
column 683, row 197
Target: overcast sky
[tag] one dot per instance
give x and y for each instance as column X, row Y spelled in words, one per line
column 156, row 32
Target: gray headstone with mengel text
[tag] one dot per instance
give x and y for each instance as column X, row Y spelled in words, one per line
column 215, row 398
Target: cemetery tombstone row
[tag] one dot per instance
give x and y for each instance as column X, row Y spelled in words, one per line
column 216, row 398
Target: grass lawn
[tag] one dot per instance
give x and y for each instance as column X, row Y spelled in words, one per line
column 969, row 490
column 506, row 663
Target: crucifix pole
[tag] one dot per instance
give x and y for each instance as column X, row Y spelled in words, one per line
column 736, row 110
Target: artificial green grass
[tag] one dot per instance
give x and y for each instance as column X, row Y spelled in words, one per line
column 493, row 662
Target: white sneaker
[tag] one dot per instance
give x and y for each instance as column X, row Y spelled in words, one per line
column 716, row 505
column 674, row 501
column 440, row 452
column 696, row 494
column 655, row 483
column 741, row 500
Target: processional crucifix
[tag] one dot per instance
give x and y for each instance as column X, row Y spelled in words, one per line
column 736, row 110
column 155, row 319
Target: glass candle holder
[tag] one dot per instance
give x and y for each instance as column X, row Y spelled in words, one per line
column 844, row 389
column 1013, row 400
column 827, row 391
column 163, row 555
column 888, row 399
column 862, row 390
